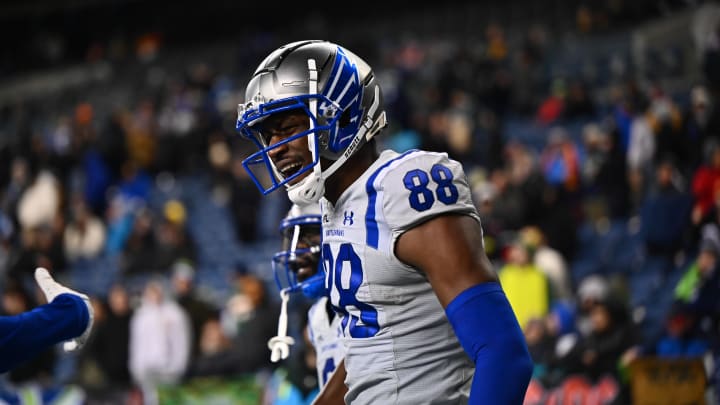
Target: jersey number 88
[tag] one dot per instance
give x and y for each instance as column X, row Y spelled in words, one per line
column 421, row 197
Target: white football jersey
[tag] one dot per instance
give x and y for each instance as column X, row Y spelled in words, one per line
column 400, row 346
column 325, row 334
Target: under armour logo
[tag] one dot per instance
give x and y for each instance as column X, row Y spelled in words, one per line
column 348, row 220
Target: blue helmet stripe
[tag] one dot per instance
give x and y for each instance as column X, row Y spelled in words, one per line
column 348, row 97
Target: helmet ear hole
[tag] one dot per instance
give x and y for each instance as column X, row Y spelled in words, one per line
column 344, row 119
column 323, row 139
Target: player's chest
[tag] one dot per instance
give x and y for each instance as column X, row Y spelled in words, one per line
column 344, row 224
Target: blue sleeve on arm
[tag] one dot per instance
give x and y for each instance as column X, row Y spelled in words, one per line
column 489, row 332
column 26, row 335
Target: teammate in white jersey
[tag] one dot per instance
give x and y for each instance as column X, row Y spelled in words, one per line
column 297, row 268
column 425, row 319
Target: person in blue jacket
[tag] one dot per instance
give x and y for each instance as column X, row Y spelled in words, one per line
column 67, row 317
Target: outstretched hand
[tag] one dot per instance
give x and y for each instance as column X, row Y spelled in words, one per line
column 52, row 289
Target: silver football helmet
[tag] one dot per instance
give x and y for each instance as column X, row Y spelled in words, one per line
column 341, row 97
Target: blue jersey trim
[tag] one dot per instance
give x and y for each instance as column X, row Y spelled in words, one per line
column 371, row 227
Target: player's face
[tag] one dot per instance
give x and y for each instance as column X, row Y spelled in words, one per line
column 289, row 157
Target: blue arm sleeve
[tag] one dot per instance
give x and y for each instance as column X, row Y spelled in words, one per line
column 490, row 333
column 26, row 335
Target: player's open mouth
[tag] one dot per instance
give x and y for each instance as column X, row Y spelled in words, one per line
column 303, row 267
column 290, row 169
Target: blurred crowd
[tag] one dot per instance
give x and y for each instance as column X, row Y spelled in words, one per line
column 599, row 195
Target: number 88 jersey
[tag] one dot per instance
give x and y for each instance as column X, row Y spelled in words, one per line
column 396, row 334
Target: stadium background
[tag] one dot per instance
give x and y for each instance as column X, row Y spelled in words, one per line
column 120, row 114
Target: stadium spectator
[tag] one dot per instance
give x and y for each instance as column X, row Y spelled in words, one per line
column 40, row 247
column 710, row 48
column 701, row 123
column 137, row 256
column 213, row 339
column 497, row 47
column 84, row 235
column 104, row 365
column 111, row 146
column 248, row 321
column 7, row 234
column 460, row 126
column 591, row 290
column 612, row 332
column 39, row 204
column 549, row 261
column 20, row 178
column 141, row 130
column 244, row 203
column 640, row 153
column 549, row 338
column 665, row 214
column 177, row 119
column 610, row 183
column 433, row 136
column 698, row 288
column 160, row 340
column 665, row 119
column 551, row 109
column 507, row 207
column 595, row 146
column 199, row 309
column 578, row 102
column 526, row 286
column 524, row 171
column 706, row 184
column 561, row 161
column 173, row 242
column 681, row 337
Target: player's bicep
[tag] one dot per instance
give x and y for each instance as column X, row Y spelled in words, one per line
column 448, row 249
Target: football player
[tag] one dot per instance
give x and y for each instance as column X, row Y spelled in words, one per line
column 67, row 317
column 424, row 317
column 297, row 269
